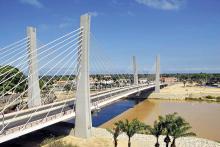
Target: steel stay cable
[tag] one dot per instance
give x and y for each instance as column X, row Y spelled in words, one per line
column 39, row 79
column 64, row 85
column 2, row 93
column 15, row 53
column 61, row 37
column 50, row 90
column 23, row 60
column 47, row 55
column 49, row 48
column 13, row 44
column 77, row 74
column 105, row 56
column 45, row 65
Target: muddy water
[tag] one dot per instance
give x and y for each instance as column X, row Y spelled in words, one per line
column 204, row 117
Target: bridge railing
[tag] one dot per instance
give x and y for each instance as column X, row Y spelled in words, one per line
column 30, row 124
column 34, row 123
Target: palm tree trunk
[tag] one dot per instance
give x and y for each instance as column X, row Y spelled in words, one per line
column 167, row 140
column 157, row 143
column 173, row 143
column 129, row 142
column 116, row 142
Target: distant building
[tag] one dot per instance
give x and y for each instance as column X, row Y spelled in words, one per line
column 142, row 80
column 169, row 80
column 124, row 82
column 107, row 76
column 59, row 85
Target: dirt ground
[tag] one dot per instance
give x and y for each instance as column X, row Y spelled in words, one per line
column 178, row 91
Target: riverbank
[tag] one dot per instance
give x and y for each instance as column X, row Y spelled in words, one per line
column 102, row 138
column 189, row 92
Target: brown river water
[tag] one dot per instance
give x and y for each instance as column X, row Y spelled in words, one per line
column 204, row 117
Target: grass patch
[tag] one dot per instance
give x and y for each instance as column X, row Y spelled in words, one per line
column 210, row 97
column 206, row 98
column 218, row 99
column 194, row 99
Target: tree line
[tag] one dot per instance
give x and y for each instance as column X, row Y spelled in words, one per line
column 11, row 77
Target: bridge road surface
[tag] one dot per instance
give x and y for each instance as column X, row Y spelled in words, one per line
column 57, row 107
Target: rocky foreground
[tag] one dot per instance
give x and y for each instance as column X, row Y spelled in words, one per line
column 102, row 138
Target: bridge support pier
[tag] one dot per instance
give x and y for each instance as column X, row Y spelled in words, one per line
column 34, row 98
column 83, row 120
column 157, row 80
column 135, row 71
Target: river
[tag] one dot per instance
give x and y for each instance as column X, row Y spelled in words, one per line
column 204, row 117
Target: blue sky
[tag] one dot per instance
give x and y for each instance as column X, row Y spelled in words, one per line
column 186, row 33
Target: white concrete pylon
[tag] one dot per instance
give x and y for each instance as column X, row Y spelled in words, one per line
column 135, row 73
column 83, row 120
column 34, row 98
column 157, row 80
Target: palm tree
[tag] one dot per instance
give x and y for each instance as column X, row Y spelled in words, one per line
column 184, row 83
column 174, row 126
column 180, row 128
column 156, row 130
column 130, row 128
column 166, row 123
column 115, row 133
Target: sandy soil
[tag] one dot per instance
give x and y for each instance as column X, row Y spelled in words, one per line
column 178, row 91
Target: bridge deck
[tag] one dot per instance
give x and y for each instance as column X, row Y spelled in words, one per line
column 60, row 111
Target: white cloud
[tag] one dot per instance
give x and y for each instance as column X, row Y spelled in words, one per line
column 162, row 4
column 94, row 13
column 34, row 3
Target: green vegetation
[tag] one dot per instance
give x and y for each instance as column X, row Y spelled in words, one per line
column 194, row 99
column 213, row 98
column 184, row 83
column 67, row 87
column 176, row 127
column 206, row 98
column 12, row 79
column 51, row 142
column 168, row 125
column 130, row 128
column 180, row 128
column 156, row 130
column 115, row 133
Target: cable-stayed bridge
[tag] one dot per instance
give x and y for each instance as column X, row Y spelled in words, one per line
column 33, row 78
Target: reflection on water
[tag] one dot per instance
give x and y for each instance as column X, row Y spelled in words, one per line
column 203, row 117
column 110, row 111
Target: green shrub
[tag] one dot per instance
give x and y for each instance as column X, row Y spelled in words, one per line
column 209, row 97
column 60, row 144
column 218, row 99
column 51, row 142
column 194, row 99
column 47, row 141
